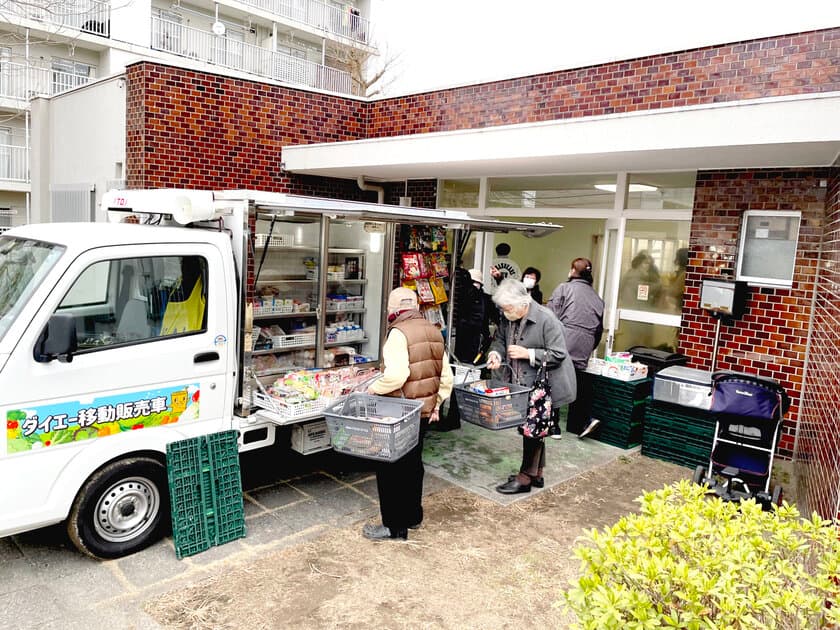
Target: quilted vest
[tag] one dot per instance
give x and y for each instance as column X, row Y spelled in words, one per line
column 425, row 359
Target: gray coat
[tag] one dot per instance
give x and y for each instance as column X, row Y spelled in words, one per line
column 581, row 311
column 541, row 331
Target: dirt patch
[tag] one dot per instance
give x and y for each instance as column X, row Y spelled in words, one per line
column 473, row 564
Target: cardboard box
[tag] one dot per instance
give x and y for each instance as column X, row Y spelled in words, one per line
column 311, row 437
column 625, row 371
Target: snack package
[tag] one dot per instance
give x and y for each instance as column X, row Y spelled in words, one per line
column 440, row 268
column 424, row 292
column 438, row 239
column 412, row 266
column 438, row 290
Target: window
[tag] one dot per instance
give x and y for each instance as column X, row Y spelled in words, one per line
column 555, row 191
column 132, row 300
column 768, row 247
column 67, row 74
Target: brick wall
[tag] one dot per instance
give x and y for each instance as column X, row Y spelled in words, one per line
column 198, row 130
column 773, row 66
column 817, row 453
column 770, row 339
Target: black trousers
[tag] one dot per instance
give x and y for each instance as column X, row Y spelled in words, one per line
column 400, row 487
column 580, row 411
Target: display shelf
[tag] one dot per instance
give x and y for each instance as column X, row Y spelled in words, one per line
column 333, row 344
column 346, row 250
column 286, row 349
column 290, row 315
column 276, row 418
column 346, row 281
column 289, row 248
column 349, row 310
column 288, row 280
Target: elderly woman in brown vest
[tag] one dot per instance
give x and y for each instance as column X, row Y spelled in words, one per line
column 416, row 367
column 530, row 336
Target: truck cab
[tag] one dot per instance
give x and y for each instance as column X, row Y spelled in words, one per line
column 107, row 331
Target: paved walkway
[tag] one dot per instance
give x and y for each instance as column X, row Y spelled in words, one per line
column 46, row 584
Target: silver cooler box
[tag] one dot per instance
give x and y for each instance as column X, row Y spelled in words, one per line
column 683, row 386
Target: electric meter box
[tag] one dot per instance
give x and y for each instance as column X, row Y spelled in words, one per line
column 724, row 297
column 680, row 385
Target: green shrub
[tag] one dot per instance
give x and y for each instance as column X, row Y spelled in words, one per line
column 687, row 561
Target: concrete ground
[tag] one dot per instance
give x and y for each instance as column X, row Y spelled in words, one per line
column 45, row 583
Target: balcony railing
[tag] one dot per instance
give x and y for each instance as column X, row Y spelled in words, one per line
column 88, row 16
column 21, row 82
column 341, row 21
column 221, row 51
column 14, row 163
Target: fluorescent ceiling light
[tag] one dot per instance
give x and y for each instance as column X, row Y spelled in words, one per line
column 633, row 187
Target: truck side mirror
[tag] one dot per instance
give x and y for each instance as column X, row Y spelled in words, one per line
column 58, row 340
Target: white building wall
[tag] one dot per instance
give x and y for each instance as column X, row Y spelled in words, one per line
column 78, row 138
column 131, row 22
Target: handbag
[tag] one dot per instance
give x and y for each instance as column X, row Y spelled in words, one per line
column 538, row 420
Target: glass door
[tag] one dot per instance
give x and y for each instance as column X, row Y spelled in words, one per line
column 353, row 311
column 648, row 272
column 287, row 296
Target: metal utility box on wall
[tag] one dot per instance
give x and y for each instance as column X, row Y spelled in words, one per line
column 767, row 252
column 723, row 297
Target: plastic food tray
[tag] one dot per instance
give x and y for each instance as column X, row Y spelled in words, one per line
column 493, row 411
column 268, row 310
column 291, row 341
column 277, row 240
column 374, row 427
column 290, row 410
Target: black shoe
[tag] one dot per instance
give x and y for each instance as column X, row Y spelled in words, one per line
column 537, row 482
column 593, row 424
column 380, row 532
column 513, row 487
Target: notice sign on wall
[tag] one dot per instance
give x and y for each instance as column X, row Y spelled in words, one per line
column 642, row 292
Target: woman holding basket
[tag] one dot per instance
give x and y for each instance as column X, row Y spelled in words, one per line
column 416, row 367
column 530, row 338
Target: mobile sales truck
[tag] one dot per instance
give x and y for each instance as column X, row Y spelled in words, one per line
column 172, row 320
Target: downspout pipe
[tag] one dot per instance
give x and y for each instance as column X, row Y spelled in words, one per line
column 380, row 190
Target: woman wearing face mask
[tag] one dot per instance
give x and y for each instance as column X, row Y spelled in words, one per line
column 531, row 279
column 529, row 335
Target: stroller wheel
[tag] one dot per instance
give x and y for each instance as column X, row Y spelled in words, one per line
column 699, row 475
column 778, row 493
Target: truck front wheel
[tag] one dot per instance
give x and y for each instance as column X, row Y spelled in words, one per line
column 122, row 508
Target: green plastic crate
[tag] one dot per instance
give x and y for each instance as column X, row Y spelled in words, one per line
column 620, row 406
column 205, row 489
column 682, row 435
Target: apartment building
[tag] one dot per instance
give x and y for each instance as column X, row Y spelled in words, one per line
column 50, row 46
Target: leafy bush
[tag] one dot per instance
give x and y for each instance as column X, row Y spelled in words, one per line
column 687, row 561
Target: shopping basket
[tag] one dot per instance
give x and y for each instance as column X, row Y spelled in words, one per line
column 495, row 410
column 374, row 427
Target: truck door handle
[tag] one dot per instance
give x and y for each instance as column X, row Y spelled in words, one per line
column 204, row 357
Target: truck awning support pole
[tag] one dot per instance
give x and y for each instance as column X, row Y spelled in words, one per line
column 451, row 311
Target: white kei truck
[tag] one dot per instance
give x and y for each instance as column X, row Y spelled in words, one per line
column 119, row 337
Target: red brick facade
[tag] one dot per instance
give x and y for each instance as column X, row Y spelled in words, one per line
column 198, row 130
column 773, row 66
column 771, row 337
column 818, row 436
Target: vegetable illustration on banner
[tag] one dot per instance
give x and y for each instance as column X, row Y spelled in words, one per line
column 66, row 422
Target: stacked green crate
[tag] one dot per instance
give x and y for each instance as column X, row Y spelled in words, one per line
column 682, row 435
column 620, row 406
column 205, row 489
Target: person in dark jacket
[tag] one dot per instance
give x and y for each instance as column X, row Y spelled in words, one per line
column 531, row 279
column 528, row 336
column 581, row 311
column 417, row 368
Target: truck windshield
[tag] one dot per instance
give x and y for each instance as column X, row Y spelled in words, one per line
column 23, row 264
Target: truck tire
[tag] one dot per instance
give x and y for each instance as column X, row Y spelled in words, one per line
column 122, row 508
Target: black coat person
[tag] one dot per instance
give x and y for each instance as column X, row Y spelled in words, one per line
column 475, row 312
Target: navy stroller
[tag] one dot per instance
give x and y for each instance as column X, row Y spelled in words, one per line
column 748, row 414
